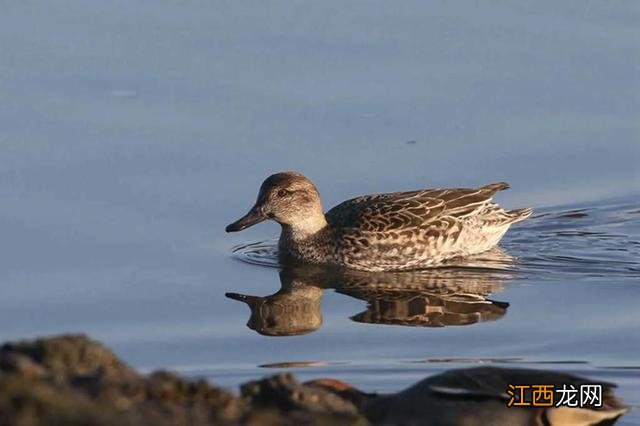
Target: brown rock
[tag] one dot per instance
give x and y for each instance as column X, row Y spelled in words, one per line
column 72, row 380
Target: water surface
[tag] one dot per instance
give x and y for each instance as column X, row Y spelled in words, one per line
column 132, row 133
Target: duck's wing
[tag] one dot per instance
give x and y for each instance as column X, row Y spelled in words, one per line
column 406, row 210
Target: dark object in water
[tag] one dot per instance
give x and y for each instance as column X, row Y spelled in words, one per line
column 478, row 396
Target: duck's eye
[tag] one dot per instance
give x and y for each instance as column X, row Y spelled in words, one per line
column 282, row 192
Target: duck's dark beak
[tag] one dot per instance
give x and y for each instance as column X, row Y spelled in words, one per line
column 252, row 301
column 255, row 215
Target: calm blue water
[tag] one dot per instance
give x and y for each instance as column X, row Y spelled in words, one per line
column 132, row 133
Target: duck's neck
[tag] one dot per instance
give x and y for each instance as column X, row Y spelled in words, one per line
column 304, row 228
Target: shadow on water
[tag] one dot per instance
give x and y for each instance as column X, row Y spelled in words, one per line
column 438, row 297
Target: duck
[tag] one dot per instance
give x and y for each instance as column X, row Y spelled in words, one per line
column 480, row 396
column 381, row 232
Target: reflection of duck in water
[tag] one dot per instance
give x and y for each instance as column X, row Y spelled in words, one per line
column 426, row 309
column 293, row 310
column 381, row 232
column 428, row 298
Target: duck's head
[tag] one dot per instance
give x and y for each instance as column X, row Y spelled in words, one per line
column 290, row 199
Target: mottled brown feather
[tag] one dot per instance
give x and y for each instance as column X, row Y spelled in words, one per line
column 413, row 209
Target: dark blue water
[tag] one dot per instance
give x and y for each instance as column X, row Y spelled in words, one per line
column 132, row 133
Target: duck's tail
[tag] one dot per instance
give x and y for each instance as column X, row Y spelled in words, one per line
column 495, row 187
column 511, row 216
column 519, row 215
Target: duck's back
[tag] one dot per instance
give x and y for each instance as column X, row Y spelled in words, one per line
column 405, row 230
